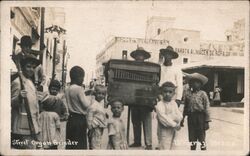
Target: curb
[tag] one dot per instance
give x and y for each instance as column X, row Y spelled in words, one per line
column 234, row 110
column 238, row 111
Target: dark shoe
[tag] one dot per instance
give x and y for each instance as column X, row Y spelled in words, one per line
column 203, row 146
column 193, row 146
column 135, row 145
column 148, row 147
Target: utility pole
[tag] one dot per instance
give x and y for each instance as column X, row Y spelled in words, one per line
column 42, row 34
column 54, row 59
column 63, row 62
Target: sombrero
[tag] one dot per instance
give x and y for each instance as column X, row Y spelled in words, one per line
column 140, row 51
column 203, row 79
column 35, row 52
column 169, row 50
column 28, row 58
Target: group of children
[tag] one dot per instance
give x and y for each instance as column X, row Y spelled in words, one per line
column 97, row 120
column 170, row 118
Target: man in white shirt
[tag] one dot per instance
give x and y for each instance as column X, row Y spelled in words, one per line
column 171, row 73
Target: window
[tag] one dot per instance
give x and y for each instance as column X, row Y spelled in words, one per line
column 36, row 10
column 34, row 35
column 230, row 48
column 12, row 14
column 15, row 40
column 124, row 54
column 47, row 43
column 185, row 39
column 240, row 84
column 229, row 38
column 185, row 60
column 158, row 31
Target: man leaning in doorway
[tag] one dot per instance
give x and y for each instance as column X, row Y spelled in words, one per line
column 141, row 115
column 26, row 44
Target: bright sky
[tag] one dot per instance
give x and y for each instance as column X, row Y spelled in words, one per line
column 90, row 24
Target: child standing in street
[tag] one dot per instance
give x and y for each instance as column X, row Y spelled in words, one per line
column 60, row 105
column 116, row 128
column 76, row 128
column 50, row 125
column 197, row 109
column 97, row 118
column 168, row 116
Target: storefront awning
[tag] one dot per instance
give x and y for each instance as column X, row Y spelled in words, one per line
column 223, row 63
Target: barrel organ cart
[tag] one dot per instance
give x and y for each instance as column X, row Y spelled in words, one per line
column 136, row 83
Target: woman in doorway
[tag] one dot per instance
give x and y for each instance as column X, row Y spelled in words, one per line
column 217, row 98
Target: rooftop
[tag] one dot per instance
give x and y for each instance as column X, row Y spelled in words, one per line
column 160, row 18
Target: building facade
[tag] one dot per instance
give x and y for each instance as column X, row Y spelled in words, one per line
column 24, row 21
column 187, row 43
column 121, row 47
column 226, row 73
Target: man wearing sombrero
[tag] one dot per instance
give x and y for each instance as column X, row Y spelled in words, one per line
column 20, row 129
column 141, row 115
column 197, row 109
column 171, row 73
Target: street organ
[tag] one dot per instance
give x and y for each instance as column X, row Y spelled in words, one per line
column 133, row 81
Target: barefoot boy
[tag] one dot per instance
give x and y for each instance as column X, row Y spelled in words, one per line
column 116, row 128
column 168, row 115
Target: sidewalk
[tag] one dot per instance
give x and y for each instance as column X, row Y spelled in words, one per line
column 235, row 110
column 229, row 115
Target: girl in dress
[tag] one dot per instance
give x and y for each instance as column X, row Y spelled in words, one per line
column 97, row 118
column 50, row 125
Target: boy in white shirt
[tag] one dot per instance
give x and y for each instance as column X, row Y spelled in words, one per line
column 168, row 116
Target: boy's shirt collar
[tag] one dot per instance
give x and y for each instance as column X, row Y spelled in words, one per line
column 192, row 91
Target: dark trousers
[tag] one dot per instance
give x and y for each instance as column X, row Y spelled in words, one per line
column 76, row 130
column 196, row 127
column 142, row 116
